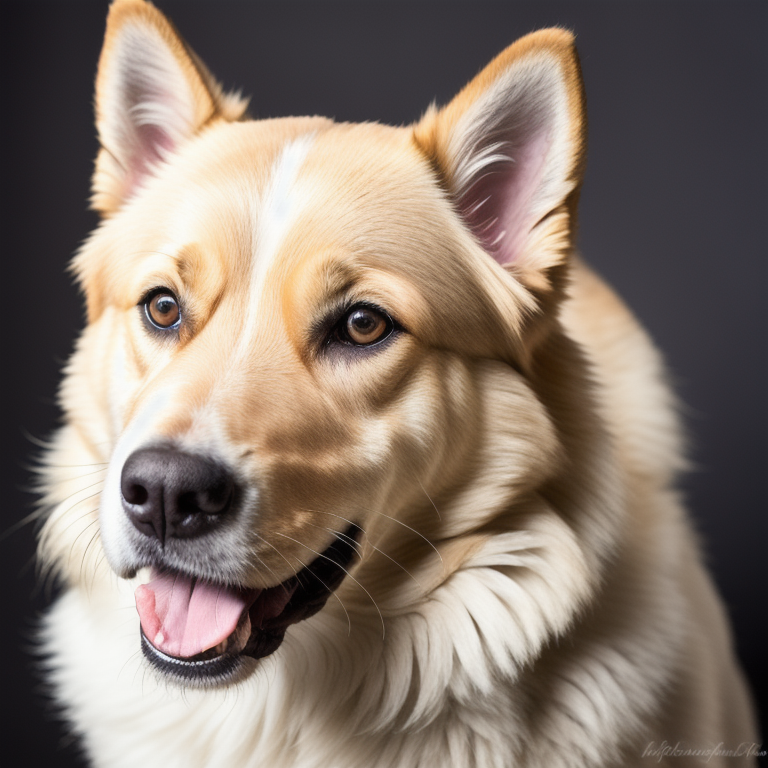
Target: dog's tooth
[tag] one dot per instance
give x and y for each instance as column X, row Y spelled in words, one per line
column 159, row 639
column 222, row 646
column 241, row 634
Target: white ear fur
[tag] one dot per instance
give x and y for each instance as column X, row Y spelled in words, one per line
column 510, row 157
column 152, row 94
column 510, row 147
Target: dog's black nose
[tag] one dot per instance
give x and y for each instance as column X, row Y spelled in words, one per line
column 169, row 494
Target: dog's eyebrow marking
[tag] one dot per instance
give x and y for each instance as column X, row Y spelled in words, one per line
column 277, row 209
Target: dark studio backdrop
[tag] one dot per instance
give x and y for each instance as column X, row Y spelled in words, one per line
column 673, row 213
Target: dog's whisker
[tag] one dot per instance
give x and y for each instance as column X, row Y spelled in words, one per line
column 74, row 476
column 60, row 507
column 270, row 544
column 375, row 511
column 330, row 592
column 43, row 465
column 358, row 549
column 333, row 514
column 100, row 561
column 139, row 668
column 265, row 565
column 87, row 513
column 304, row 565
column 130, row 658
column 325, row 557
column 19, row 524
column 39, row 442
column 413, row 530
column 351, row 540
column 144, row 670
column 95, row 536
column 72, row 547
column 430, row 500
column 65, row 511
column 396, row 562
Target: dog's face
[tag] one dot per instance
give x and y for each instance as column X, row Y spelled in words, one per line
column 296, row 330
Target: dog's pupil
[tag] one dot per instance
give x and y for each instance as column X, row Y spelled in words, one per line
column 363, row 322
column 364, row 326
column 165, row 309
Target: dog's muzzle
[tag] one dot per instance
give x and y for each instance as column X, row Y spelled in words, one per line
column 195, row 630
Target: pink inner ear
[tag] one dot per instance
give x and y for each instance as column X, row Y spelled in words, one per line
column 151, row 145
column 148, row 107
column 500, row 206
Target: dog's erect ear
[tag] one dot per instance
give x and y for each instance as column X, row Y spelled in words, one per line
column 152, row 94
column 510, row 150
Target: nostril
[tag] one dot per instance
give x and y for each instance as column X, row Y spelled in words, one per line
column 195, row 503
column 211, row 501
column 135, row 494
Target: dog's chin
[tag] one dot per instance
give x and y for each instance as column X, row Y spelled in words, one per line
column 255, row 636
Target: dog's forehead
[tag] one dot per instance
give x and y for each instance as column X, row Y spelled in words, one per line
column 357, row 186
column 260, row 190
column 275, row 193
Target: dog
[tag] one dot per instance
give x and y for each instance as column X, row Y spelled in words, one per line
column 361, row 464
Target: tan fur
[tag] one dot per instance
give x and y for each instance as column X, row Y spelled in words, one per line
column 529, row 592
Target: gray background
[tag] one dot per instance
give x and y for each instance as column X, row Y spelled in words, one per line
column 673, row 214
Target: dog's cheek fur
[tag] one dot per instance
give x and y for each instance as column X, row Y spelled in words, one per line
column 367, row 445
column 99, row 386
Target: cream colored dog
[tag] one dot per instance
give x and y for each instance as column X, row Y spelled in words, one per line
column 361, row 466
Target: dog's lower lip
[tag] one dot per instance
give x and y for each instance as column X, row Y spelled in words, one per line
column 309, row 588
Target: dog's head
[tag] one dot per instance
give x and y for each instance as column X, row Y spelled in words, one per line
column 301, row 334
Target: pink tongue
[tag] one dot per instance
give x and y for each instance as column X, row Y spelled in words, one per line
column 183, row 617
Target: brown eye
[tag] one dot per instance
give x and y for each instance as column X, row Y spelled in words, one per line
column 163, row 309
column 364, row 325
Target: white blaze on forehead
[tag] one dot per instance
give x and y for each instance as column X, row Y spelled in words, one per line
column 278, row 208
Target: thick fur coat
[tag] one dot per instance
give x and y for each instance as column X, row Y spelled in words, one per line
column 380, row 344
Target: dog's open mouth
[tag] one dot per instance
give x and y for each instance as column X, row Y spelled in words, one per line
column 201, row 632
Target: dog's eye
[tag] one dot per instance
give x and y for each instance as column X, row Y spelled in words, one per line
column 364, row 326
column 162, row 309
